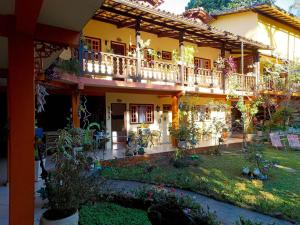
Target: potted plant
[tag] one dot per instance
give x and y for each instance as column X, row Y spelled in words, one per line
column 225, row 133
column 182, row 135
column 72, row 183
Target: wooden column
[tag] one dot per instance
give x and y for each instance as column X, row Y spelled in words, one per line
column 181, row 55
column 138, row 49
column 21, row 103
column 75, row 109
column 223, row 52
column 256, row 57
column 175, row 117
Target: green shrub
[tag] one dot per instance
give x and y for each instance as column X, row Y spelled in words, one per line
column 112, row 214
column 243, row 221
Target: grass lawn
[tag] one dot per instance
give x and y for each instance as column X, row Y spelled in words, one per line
column 220, row 177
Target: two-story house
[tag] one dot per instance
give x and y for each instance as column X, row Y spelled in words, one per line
column 137, row 85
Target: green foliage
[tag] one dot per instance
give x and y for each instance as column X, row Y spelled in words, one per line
column 216, row 5
column 188, row 56
column 243, row 221
column 220, row 178
column 73, row 182
column 71, row 66
column 112, row 214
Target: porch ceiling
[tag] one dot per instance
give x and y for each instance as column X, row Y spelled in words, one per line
column 54, row 21
column 124, row 13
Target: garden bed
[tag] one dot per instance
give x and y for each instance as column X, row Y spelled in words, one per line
column 220, row 177
column 112, row 214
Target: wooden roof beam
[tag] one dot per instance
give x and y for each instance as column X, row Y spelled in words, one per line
column 152, row 21
column 126, row 24
column 168, row 35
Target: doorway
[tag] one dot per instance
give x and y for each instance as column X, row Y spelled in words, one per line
column 56, row 114
column 118, row 123
column 236, row 121
column 118, row 48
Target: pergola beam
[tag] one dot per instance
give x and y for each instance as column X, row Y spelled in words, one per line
column 126, row 24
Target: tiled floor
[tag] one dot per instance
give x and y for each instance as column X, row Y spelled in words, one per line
column 4, row 193
column 119, row 149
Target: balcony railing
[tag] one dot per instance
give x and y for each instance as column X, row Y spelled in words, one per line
column 118, row 67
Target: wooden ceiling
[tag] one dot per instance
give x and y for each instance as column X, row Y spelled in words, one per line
column 125, row 13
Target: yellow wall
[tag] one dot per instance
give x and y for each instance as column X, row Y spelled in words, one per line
column 159, row 122
column 108, row 32
column 244, row 24
column 284, row 39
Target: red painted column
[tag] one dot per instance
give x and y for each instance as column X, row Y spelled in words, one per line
column 21, row 103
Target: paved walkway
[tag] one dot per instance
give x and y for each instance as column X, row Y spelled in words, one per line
column 225, row 212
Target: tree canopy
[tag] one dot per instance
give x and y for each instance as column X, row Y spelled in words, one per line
column 295, row 8
column 215, row 5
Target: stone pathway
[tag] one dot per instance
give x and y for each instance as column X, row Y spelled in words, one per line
column 225, row 212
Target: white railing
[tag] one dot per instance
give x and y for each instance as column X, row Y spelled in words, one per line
column 100, row 64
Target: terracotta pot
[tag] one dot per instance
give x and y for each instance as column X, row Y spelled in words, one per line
column 225, row 135
column 71, row 220
column 38, row 170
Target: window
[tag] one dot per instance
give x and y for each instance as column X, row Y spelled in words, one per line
column 148, row 54
column 141, row 113
column 93, row 44
column 202, row 63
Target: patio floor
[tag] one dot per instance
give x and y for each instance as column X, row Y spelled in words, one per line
column 119, row 149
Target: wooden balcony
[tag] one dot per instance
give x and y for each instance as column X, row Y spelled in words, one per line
column 107, row 66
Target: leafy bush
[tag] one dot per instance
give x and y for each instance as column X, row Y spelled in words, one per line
column 171, row 207
column 112, row 214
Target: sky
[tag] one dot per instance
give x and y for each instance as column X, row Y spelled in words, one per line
column 177, row 6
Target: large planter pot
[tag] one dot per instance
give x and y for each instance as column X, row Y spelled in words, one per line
column 71, row 220
column 38, row 170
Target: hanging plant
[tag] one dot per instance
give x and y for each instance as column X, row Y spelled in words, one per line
column 41, row 93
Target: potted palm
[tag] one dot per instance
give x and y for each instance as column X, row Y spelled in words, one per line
column 72, row 183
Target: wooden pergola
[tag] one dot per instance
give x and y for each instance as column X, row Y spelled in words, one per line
column 128, row 13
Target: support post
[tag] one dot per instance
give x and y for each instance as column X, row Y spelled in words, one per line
column 21, row 104
column 75, row 109
column 175, row 117
column 223, row 52
column 138, row 48
column 181, row 53
column 256, row 57
column 242, row 65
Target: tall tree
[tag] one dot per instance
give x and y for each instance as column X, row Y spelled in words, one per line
column 295, row 8
column 215, row 5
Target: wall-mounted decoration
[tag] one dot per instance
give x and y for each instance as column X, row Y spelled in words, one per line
column 157, row 108
column 119, row 39
column 166, row 55
column 119, row 100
